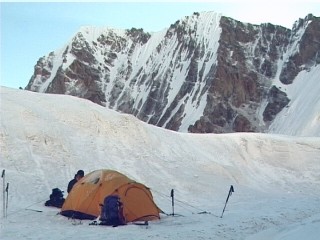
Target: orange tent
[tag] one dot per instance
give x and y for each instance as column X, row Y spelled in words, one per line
column 83, row 202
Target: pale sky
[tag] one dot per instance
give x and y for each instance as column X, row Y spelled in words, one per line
column 32, row 30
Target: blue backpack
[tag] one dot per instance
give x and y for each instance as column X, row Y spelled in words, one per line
column 112, row 211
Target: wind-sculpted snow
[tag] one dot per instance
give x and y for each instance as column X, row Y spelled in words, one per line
column 46, row 138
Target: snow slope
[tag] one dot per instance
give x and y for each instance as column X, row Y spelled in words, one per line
column 302, row 116
column 46, row 138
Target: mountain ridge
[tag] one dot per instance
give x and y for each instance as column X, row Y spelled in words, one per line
column 204, row 73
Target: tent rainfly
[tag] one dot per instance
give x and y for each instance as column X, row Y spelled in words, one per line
column 83, row 202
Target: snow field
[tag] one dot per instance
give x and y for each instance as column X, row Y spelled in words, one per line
column 46, row 138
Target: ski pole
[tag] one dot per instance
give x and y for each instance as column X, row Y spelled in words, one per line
column 231, row 190
column 172, row 200
column 3, row 192
column 7, row 190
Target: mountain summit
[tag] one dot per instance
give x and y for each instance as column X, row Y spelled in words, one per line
column 206, row 73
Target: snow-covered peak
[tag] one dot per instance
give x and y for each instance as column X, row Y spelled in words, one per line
column 92, row 33
column 204, row 73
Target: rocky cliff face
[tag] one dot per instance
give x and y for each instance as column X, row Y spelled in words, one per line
column 205, row 73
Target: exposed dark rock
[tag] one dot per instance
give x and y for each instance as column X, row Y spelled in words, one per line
column 306, row 50
column 138, row 35
column 277, row 100
column 190, row 78
column 242, row 124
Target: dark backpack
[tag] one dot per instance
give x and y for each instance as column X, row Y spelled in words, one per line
column 112, row 211
column 56, row 198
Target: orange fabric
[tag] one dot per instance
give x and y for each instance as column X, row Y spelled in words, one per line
column 87, row 195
